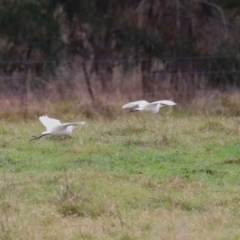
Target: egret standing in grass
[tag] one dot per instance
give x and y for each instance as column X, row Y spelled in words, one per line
column 145, row 106
column 55, row 127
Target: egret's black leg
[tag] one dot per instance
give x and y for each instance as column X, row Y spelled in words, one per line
column 37, row 137
column 133, row 110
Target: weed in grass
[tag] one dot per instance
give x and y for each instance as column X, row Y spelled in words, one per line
column 127, row 236
column 3, row 160
column 135, row 142
column 129, row 130
column 234, row 160
column 172, row 157
column 84, row 236
column 189, row 173
column 150, row 183
column 81, row 204
column 216, row 125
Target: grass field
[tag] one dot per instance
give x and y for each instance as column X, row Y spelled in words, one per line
column 155, row 177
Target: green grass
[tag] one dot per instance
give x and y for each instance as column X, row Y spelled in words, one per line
column 137, row 177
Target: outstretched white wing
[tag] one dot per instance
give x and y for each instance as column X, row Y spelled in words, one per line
column 164, row 102
column 65, row 125
column 49, row 123
column 136, row 103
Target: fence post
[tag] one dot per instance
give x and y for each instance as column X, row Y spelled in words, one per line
column 87, row 81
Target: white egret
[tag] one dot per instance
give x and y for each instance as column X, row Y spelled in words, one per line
column 145, row 106
column 55, row 127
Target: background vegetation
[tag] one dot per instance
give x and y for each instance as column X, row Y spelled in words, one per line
column 153, row 48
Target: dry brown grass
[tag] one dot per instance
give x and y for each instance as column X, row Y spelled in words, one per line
column 67, row 93
column 109, row 106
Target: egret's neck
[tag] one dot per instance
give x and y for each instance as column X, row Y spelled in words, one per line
column 158, row 106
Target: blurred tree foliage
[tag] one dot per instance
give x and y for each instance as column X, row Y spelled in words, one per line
column 29, row 30
column 56, row 30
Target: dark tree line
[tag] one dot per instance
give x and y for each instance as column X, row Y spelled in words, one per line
column 58, row 30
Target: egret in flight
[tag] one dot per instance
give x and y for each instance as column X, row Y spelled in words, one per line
column 55, row 127
column 145, row 106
